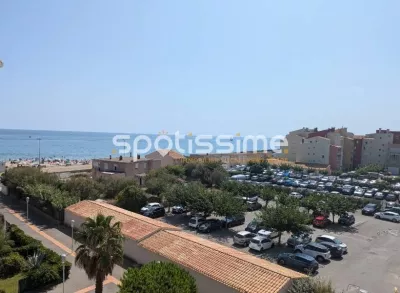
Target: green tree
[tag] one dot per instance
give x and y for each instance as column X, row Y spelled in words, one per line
column 113, row 186
column 226, row 205
column 267, row 194
column 198, row 199
column 218, row 177
column 284, row 218
column 256, row 169
column 176, row 170
column 156, row 277
column 101, row 248
column 131, row 198
column 311, row 285
column 337, row 204
column 84, row 188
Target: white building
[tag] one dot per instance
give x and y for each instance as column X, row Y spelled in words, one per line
column 295, row 140
column 375, row 149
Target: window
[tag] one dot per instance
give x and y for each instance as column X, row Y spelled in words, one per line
column 308, row 153
column 115, row 168
column 313, row 154
column 136, row 165
column 323, row 156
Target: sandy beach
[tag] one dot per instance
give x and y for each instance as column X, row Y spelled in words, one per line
column 53, row 168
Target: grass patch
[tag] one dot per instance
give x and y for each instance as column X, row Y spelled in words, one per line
column 10, row 285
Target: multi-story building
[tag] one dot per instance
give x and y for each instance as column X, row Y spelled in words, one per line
column 314, row 150
column 231, row 159
column 375, row 149
column 124, row 167
column 295, row 139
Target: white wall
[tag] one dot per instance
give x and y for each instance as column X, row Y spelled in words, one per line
column 376, row 149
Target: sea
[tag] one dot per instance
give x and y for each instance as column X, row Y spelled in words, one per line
column 26, row 144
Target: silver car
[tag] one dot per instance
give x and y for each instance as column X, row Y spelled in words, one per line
column 243, row 238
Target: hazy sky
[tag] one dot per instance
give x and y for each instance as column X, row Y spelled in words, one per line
column 205, row 66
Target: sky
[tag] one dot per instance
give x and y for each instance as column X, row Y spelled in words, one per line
column 201, row 66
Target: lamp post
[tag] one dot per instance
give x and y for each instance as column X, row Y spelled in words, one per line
column 72, row 235
column 63, row 256
column 27, row 208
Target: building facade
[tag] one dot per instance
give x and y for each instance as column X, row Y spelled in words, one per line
column 313, row 150
column 166, row 158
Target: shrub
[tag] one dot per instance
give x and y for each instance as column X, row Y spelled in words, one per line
column 158, row 277
column 12, row 265
column 43, row 275
column 310, row 285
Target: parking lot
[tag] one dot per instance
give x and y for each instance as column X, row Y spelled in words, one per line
column 373, row 261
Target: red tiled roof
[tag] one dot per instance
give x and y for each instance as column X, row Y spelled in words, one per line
column 134, row 225
column 175, row 155
column 238, row 270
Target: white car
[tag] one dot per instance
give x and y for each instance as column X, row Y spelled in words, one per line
column 150, row 206
column 194, row 222
column 317, row 251
column 390, row 216
column 268, row 233
column 261, row 243
column 296, row 195
column 332, row 239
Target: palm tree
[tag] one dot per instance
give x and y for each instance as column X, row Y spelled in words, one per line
column 101, row 248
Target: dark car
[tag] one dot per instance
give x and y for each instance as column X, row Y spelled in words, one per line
column 233, row 221
column 379, row 195
column 370, row 209
column 335, row 250
column 391, row 197
column 312, row 184
column 154, row 212
column 209, row 225
column 253, row 206
column 329, row 186
column 348, row 189
column 179, row 209
column 300, row 238
column 298, row 261
column 321, row 221
column 346, row 219
column 254, row 226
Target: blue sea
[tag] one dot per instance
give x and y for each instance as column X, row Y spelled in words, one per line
column 24, row 144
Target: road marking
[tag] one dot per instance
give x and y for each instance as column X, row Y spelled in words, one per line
column 110, row 279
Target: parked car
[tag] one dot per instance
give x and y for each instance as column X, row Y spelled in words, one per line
column 254, row 226
column 209, row 225
column 389, row 216
column 370, row 209
column 348, row 189
column 346, row 219
column 299, row 238
column 194, row 222
column 312, row 184
column 317, row 251
column 179, row 209
column 154, row 212
column 298, row 261
column 253, row 206
column 268, row 233
column 359, row 192
column 325, row 179
column 243, row 238
column 332, row 239
column 379, row 195
column 386, row 192
column 304, row 184
column 321, row 221
column 233, row 221
column 260, row 243
column 150, row 205
column 391, row 197
column 369, row 193
column 335, row 250
column 390, row 204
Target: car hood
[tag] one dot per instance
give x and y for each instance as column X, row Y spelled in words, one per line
column 343, row 245
column 143, row 209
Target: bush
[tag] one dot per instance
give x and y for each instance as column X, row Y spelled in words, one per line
column 309, row 285
column 43, row 275
column 12, row 265
column 157, row 277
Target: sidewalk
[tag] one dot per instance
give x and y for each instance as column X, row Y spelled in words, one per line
column 57, row 238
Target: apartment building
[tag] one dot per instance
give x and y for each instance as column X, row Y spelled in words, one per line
column 295, row 139
column 232, row 159
column 314, row 150
column 124, row 167
column 376, row 148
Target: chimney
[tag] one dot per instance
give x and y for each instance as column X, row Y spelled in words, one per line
column 138, row 157
column 120, row 158
column 110, row 157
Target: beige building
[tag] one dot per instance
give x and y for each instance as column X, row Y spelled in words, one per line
column 348, row 154
column 393, row 160
column 375, row 149
column 167, row 158
column 295, row 139
column 124, row 167
column 313, row 150
column 216, row 268
column 232, row 159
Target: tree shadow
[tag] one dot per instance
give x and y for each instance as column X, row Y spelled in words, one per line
column 339, row 229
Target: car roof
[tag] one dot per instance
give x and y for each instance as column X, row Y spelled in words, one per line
column 327, row 243
column 305, row 256
column 153, row 203
column 244, row 233
column 315, row 244
column 259, row 238
column 328, row 236
column 393, row 213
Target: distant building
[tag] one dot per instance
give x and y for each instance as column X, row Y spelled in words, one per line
column 124, row 167
column 232, row 159
column 2, row 167
column 167, row 158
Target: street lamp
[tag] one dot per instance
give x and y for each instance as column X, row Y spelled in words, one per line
column 63, row 256
column 27, row 208
column 72, row 234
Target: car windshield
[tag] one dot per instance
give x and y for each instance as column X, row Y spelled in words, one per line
column 256, row 241
column 370, row 205
column 240, row 236
column 337, row 241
